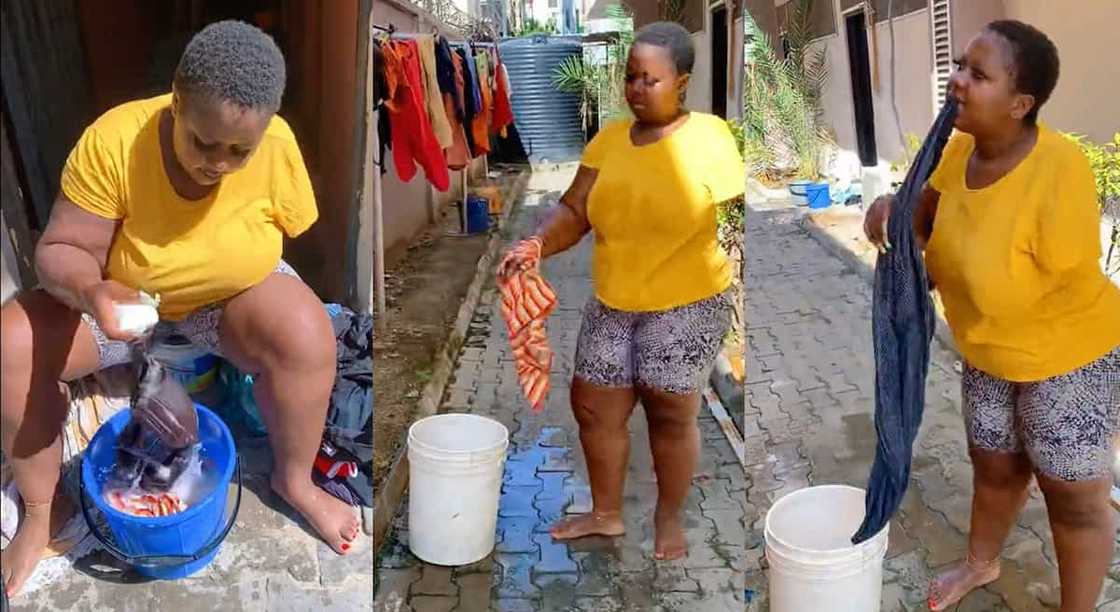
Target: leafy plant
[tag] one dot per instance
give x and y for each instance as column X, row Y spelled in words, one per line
column 532, row 27
column 783, row 116
column 1104, row 159
column 912, row 144
column 672, row 10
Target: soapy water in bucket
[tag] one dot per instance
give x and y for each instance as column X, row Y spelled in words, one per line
column 194, row 484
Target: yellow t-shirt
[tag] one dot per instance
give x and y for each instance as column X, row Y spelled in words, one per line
column 191, row 253
column 653, row 212
column 1017, row 263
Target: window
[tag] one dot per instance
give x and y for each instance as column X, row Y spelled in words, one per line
column 942, row 43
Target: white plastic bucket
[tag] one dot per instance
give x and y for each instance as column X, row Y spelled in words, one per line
column 455, row 474
column 813, row 564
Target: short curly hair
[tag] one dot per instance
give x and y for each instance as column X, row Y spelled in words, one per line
column 233, row 61
column 1034, row 59
column 672, row 36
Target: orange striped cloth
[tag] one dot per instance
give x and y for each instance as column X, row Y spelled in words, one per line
column 527, row 300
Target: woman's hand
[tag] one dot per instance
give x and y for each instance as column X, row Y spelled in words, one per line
column 875, row 222
column 522, row 255
column 98, row 300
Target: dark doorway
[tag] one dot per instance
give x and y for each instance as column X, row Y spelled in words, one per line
column 860, row 63
column 719, row 61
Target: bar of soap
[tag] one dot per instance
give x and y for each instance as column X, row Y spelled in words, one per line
column 136, row 318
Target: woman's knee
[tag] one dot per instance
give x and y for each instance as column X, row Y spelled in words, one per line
column 1001, row 470
column 15, row 349
column 1081, row 505
column 600, row 408
column 279, row 325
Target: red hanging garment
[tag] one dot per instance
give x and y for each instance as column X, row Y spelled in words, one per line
column 413, row 139
column 503, row 112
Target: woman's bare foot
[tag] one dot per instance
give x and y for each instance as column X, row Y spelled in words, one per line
column 592, row 523
column 669, row 541
column 953, row 584
column 23, row 553
column 333, row 519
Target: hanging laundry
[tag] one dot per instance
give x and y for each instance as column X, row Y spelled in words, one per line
column 902, row 327
column 527, row 300
column 451, row 86
column 463, row 66
column 412, row 138
column 433, row 98
column 480, row 126
column 445, row 70
column 503, row 110
column 380, row 95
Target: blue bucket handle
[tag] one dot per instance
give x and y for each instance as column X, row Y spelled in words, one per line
column 803, row 193
column 161, row 560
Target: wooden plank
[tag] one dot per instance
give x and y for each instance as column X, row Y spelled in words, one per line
column 15, row 212
column 729, row 430
column 357, row 290
column 46, row 92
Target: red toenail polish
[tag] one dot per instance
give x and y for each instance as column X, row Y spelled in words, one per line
column 345, row 547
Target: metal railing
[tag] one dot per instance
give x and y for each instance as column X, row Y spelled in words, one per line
column 454, row 18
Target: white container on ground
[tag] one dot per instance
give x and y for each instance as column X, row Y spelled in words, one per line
column 813, row 564
column 455, row 479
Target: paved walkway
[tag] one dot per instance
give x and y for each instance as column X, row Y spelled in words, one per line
column 269, row 563
column 546, row 477
column 809, row 421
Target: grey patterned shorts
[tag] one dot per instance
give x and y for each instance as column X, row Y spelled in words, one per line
column 671, row 350
column 1065, row 424
column 200, row 327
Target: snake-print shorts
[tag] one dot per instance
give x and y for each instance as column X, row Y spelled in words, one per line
column 200, row 327
column 671, row 350
column 1065, row 424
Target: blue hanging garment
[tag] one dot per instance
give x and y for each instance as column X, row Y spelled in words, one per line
column 902, row 328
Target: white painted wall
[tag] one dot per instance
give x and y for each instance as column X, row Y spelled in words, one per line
column 1087, row 99
column 913, row 74
column 9, row 270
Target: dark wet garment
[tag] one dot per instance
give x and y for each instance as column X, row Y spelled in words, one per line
column 156, row 445
column 902, row 328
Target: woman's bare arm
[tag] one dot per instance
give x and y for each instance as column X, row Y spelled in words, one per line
column 924, row 214
column 566, row 223
column 72, row 252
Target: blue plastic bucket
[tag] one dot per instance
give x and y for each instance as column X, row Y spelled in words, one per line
column 478, row 214
column 817, row 195
column 165, row 547
column 797, row 190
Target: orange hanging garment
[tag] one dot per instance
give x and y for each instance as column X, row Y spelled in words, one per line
column 527, row 300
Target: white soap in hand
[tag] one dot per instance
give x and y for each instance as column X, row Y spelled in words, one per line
column 137, row 318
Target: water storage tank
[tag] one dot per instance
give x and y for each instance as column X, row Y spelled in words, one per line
column 547, row 119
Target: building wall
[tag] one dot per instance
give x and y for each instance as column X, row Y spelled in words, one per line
column 1084, row 101
column 914, row 82
column 1088, row 93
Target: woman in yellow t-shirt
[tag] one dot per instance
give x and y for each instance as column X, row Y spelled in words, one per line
column 1010, row 224
column 648, row 190
column 188, row 196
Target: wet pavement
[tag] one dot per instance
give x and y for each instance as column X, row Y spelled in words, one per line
column 546, row 478
column 810, row 374
column 271, row 562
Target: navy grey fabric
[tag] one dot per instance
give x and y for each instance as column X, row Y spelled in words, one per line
column 350, row 416
column 902, row 327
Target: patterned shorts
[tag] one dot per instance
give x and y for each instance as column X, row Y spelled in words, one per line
column 1065, row 424
column 200, row 327
column 670, row 350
